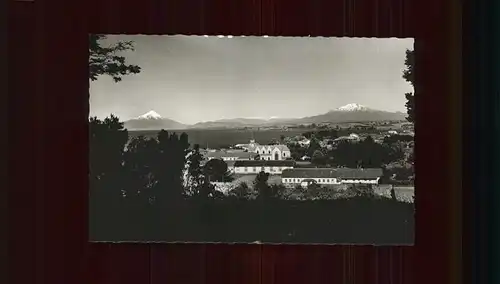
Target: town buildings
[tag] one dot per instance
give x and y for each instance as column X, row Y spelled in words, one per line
column 268, row 152
column 273, row 167
column 330, row 176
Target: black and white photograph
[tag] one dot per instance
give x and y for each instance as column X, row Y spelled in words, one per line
column 249, row 139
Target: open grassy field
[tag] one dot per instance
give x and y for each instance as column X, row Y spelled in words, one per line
column 223, row 138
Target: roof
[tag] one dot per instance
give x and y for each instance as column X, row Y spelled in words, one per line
column 265, row 163
column 220, row 154
column 272, row 147
column 332, row 173
column 302, row 164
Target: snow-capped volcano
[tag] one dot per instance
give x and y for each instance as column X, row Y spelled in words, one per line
column 150, row 115
column 352, row 107
column 151, row 120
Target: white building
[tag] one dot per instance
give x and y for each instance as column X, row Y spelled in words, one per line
column 330, row 176
column 267, row 152
column 272, row 167
column 270, row 152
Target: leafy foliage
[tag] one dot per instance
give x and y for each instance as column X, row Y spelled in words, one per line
column 196, row 178
column 107, row 140
column 313, row 191
column 216, row 170
column 242, row 191
column 313, row 147
column 139, row 165
column 108, row 61
column 264, row 190
column 260, row 183
column 170, row 164
column 408, row 75
column 366, row 154
column 318, row 158
column 361, row 190
column 397, row 175
column 296, row 151
column 392, row 139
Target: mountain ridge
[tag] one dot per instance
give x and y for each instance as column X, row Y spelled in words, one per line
column 349, row 113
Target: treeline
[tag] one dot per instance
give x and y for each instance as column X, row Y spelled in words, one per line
column 160, row 189
column 366, row 153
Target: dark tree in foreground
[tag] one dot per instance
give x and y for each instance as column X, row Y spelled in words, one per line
column 107, row 140
column 138, row 163
column 241, row 191
column 277, row 191
column 393, row 194
column 170, row 164
column 195, row 172
column 261, row 185
column 408, row 75
column 313, row 191
column 266, row 191
column 198, row 184
column 216, row 170
column 107, row 60
column 362, row 190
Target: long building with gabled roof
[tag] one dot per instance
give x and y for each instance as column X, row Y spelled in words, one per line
column 328, row 176
column 231, row 155
column 267, row 166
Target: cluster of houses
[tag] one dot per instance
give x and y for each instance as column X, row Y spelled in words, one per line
column 276, row 160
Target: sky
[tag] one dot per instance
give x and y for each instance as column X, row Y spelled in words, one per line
column 192, row 79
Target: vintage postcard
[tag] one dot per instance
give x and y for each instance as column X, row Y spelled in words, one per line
column 222, row 139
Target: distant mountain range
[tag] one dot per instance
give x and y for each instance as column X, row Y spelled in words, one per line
column 348, row 113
